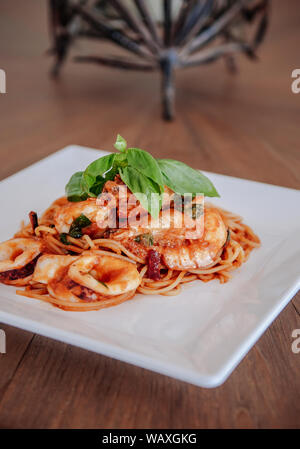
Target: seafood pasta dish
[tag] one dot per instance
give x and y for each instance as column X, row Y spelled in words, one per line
column 128, row 224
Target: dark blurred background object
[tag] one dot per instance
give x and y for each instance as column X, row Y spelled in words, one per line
column 164, row 35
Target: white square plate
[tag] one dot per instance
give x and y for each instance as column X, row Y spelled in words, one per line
column 198, row 336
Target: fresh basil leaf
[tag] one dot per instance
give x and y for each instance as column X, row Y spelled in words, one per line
column 80, row 222
column 145, row 190
column 98, row 172
column 74, row 189
column 96, row 188
column 145, row 163
column 121, row 159
column 120, row 144
column 183, row 179
column 84, row 186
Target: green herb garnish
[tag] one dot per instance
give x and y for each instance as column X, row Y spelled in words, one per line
column 103, row 283
column 228, row 238
column 120, row 144
column 76, row 227
column 145, row 239
column 74, row 188
column 144, row 175
column 63, row 237
column 184, row 179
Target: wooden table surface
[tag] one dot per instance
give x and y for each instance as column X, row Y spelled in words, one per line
column 245, row 126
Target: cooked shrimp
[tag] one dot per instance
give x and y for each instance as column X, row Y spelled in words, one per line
column 48, row 265
column 17, row 259
column 49, row 213
column 199, row 253
column 177, row 252
column 65, row 215
column 167, row 229
column 101, row 211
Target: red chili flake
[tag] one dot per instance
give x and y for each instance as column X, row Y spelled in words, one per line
column 33, row 220
column 154, row 260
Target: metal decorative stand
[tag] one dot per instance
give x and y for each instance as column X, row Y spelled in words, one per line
column 200, row 32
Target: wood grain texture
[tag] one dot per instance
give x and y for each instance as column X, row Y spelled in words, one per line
column 246, row 126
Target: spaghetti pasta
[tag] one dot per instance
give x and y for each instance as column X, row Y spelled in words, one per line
column 236, row 251
column 129, row 224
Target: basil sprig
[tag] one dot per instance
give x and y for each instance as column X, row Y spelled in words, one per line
column 144, row 175
column 74, row 188
column 182, row 179
column 97, row 173
column 146, row 191
column 144, row 163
